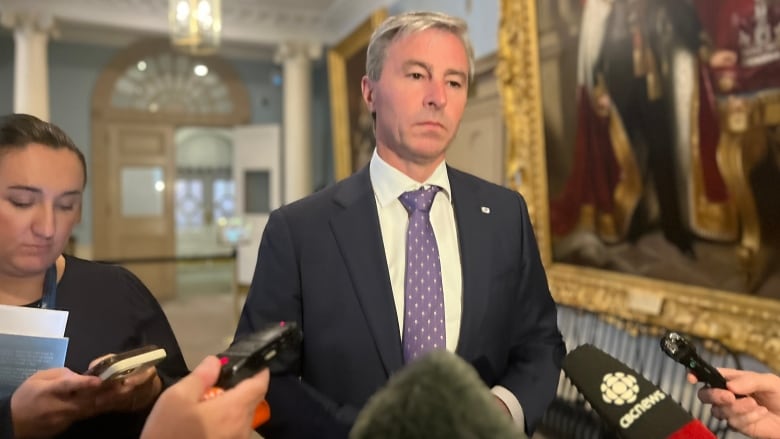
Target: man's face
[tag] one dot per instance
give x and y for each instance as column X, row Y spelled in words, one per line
column 419, row 98
column 40, row 202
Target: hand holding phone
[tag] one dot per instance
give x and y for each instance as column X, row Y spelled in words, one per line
column 121, row 365
column 253, row 353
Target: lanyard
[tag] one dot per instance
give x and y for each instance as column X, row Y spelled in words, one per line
column 49, row 288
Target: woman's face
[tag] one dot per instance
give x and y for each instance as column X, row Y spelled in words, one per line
column 40, row 202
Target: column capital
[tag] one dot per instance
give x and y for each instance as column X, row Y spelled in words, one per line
column 297, row 49
column 29, row 21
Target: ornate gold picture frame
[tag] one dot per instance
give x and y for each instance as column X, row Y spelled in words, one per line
column 743, row 323
column 352, row 126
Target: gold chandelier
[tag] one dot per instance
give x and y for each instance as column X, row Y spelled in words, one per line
column 195, row 25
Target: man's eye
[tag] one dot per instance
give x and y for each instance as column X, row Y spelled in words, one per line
column 416, row 75
column 455, row 84
column 66, row 207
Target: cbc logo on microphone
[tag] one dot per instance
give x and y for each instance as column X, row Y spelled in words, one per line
column 619, row 388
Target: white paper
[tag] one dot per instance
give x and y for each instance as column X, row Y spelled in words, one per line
column 35, row 322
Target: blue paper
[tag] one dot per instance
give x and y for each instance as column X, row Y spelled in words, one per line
column 23, row 355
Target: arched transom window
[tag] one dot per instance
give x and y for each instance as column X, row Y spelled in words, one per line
column 171, row 82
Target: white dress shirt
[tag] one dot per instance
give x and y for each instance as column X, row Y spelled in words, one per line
column 388, row 184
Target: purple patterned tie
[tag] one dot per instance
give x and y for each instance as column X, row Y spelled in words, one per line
column 423, row 293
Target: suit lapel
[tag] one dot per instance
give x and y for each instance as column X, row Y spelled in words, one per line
column 473, row 224
column 359, row 238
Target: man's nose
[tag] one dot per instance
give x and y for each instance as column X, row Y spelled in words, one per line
column 436, row 95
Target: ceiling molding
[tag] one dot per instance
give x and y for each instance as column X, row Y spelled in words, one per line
column 249, row 26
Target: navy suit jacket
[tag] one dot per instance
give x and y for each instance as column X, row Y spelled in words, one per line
column 322, row 264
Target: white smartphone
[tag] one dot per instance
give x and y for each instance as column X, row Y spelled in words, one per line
column 125, row 363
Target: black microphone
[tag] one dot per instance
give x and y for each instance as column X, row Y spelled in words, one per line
column 684, row 352
column 437, row 396
column 627, row 402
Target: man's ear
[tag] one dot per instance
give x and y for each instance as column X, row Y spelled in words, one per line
column 367, row 89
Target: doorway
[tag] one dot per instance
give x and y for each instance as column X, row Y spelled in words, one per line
column 142, row 101
column 204, row 197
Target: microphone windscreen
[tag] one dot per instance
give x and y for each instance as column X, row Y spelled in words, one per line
column 627, row 402
column 692, row 430
column 437, row 396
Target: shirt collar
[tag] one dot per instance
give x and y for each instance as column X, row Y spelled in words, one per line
column 389, row 183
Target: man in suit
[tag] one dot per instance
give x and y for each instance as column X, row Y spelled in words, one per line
column 340, row 262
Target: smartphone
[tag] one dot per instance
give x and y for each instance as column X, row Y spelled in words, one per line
column 276, row 345
column 126, row 363
column 681, row 350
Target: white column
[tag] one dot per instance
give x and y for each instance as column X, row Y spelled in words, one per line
column 31, row 65
column 296, row 117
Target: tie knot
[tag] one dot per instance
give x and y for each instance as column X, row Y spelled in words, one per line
column 421, row 199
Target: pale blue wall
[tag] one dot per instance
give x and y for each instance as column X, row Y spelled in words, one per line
column 73, row 72
column 482, row 20
column 265, row 98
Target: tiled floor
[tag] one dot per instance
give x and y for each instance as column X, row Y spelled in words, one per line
column 202, row 314
column 203, row 324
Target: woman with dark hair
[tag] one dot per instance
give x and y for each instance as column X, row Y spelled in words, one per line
column 42, row 179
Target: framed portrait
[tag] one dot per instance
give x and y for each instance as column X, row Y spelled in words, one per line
column 352, row 125
column 644, row 138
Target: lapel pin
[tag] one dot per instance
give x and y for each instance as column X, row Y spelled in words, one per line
column 486, row 210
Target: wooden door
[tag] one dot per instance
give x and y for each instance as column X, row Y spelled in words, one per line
column 134, row 181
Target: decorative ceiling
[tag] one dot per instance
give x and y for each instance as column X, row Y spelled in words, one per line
column 251, row 26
